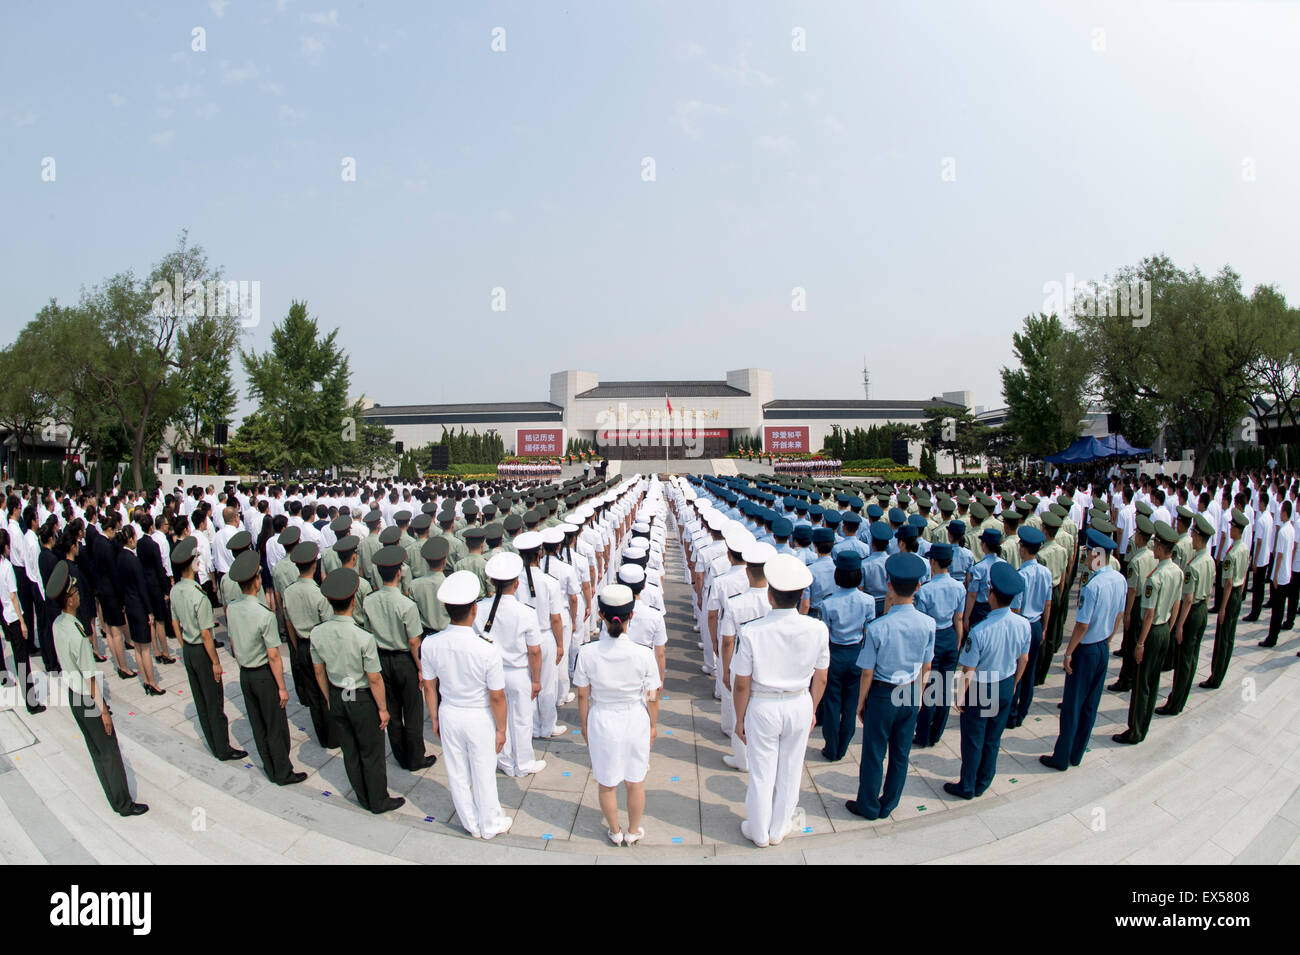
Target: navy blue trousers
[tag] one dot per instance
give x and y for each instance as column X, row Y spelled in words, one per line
column 933, row 717
column 978, row 612
column 1079, row 706
column 1024, row 695
column 888, row 727
column 981, row 733
column 839, row 710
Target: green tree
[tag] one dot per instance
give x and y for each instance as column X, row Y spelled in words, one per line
column 301, row 387
column 207, row 392
column 1044, row 395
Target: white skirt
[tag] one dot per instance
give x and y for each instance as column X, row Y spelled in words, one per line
column 618, row 739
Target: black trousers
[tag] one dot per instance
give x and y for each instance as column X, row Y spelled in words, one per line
column 1128, row 665
column 209, row 699
column 1225, row 637
column 22, row 664
column 1258, row 579
column 28, row 607
column 49, row 656
column 356, row 716
column 1146, row 682
column 405, row 707
column 104, row 752
column 268, row 721
column 1284, row 598
column 310, row 696
column 1187, row 654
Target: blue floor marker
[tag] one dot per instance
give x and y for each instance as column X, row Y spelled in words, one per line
column 428, row 818
column 807, row 828
column 674, row 779
column 566, row 773
column 327, row 793
column 677, row 840
column 668, row 732
column 547, row 836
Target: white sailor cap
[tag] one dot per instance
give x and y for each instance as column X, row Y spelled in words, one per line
column 758, row 553
column 736, row 536
column 528, row 540
column 641, row 527
column 504, row 566
column 552, row 535
column 616, row 597
column 715, row 521
column 459, row 589
column 631, row 574
column 633, row 553
column 566, row 528
column 787, row 572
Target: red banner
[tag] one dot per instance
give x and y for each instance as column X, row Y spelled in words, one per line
column 539, row 442
column 780, row 440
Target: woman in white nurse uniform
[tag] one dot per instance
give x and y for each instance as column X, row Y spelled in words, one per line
column 618, row 704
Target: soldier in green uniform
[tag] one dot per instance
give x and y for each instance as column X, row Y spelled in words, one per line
column 1189, row 628
column 283, row 574
column 470, row 510
column 1236, row 565
column 395, row 622
column 255, row 641
column 493, row 534
column 345, row 660
column 420, row 531
column 1057, row 560
column 193, row 619
column 238, row 544
column 474, row 561
column 1161, row 594
column 346, row 549
column 433, row 615
column 369, row 544
column 85, row 693
column 341, row 526
column 1141, row 561
column 1011, row 543
column 305, row 608
column 457, row 550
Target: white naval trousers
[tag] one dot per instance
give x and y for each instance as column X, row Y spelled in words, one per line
column 517, row 757
column 544, row 708
column 468, row 737
column 564, row 669
column 777, row 734
column 738, row 749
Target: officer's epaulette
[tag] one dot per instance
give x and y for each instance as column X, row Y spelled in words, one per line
column 485, row 638
column 750, row 620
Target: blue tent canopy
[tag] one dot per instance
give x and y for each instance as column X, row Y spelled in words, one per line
column 1086, row 450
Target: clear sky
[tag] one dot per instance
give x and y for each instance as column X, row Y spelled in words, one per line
column 1083, row 136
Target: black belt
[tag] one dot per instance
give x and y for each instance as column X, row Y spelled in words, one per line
column 393, row 653
column 264, row 666
column 893, row 686
column 847, row 645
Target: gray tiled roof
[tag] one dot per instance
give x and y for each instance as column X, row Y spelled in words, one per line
column 657, row 389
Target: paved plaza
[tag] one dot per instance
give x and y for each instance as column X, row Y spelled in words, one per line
column 1218, row 784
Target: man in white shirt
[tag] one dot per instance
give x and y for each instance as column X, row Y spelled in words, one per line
column 1283, row 578
column 1261, row 556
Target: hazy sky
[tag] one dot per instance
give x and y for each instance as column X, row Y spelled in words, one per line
column 1083, row 136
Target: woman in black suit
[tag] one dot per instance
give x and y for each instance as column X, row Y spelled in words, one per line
column 46, row 561
column 108, row 590
column 68, row 546
column 135, row 606
column 157, row 584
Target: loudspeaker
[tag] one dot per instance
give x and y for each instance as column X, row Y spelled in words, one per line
column 221, row 434
column 439, row 457
column 1112, row 423
column 898, row 450
column 400, row 447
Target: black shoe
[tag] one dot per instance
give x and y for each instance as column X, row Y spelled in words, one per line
column 218, row 643
column 953, row 789
column 852, row 806
column 235, row 754
column 127, row 675
column 1289, row 625
column 1208, row 685
column 1269, row 642
column 1124, row 738
column 99, row 659
column 1250, row 618
column 154, row 691
column 393, row 802
column 424, row 763
column 1118, row 687
column 1166, row 710
column 293, row 778
column 1047, row 761
column 137, row 809
column 38, row 708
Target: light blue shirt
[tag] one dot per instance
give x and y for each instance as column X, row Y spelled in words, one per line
column 898, row 645
column 1038, row 590
column 1103, row 600
column 995, row 644
column 979, row 578
column 874, row 579
column 962, row 561
column 940, row 598
column 851, row 544
column 846, row 612
column 823, row 572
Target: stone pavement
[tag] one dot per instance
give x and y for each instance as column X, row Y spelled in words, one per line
column 1220, row 783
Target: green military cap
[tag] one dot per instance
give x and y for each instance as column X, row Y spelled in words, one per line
column 1031, row 500
column 1203, row 526
column 1065, row 500
column 962, row 497
column 289, row 537
column 1144, row 525
column 402, row 518
column 305, row 553
column 477, row 532
column 240, row 541
column 552, row 505
column 60, row 580
column 245, row 567
column 372, row 518
column 979, row 511
column 1239, row 518
column 571, row 501
column 512, row 523
column 947, row 505
column 435, row 548
column 346, row 545
column 389, row 556
column 341, row 524
column 446, row 516
column 1023, row 506
column 1051, row 519
column 532, row 516
column 420, row 522
column 1166, row 533
column 430, row 508
column 1058, row 510
column 924, row 501
column 1186, row 513
column 390, row 535
column 185, row 548
column 904, row 500
column 1010, row 514
column 1143, row 508
column 1101, row 524
column 340, row 584
column 469, row 508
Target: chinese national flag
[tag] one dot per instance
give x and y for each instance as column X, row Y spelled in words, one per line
column 669, row 402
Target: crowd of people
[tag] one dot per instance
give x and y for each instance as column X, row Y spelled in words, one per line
column 816, row 468
column 529, row 469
